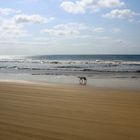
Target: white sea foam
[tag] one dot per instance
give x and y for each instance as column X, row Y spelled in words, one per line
column 66, row 66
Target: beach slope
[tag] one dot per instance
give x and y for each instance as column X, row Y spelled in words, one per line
column 57, row 112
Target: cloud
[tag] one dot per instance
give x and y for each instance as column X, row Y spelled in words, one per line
column 9, row 30
column 13, row 31
column 13, row 27
column 121, row 14
column 82, row 5
column 71, row 7
column 73, row 30
column 99, row 29
column 110, row 3
column 116, row 30
column 31, row 19
column 7, row 11
column 70, row 29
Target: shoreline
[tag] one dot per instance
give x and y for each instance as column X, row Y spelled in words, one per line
column 98, row 83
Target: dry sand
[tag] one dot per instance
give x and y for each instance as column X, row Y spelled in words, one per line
column 53, row 112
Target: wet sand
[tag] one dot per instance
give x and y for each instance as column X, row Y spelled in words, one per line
column 60, row 112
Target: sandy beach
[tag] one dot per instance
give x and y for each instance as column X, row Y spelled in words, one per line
column 59, row 112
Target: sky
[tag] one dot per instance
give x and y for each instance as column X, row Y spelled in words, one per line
column 35, row 27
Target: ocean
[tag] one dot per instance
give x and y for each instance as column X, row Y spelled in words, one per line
column 64, row 68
